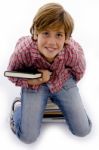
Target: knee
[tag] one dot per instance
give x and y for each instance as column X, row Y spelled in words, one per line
column 29, row 138
column 82, row 132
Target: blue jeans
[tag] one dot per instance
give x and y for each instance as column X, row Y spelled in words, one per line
column 28, row 117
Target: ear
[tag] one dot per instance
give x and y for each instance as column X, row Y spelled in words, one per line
column 35, row 36
column 67, row 40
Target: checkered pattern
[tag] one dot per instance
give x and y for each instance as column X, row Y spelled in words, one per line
column 69, row 61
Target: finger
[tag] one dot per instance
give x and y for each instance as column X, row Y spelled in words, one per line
column 41, row 70
column 40, row 79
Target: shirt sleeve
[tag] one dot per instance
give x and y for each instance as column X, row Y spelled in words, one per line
column 17, row 61
column 75, row 59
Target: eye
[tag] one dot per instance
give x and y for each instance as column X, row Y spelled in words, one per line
column 45, row 33
column 59, row 35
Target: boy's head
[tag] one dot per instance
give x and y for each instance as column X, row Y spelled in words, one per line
column 53, row 16
column 52, row 26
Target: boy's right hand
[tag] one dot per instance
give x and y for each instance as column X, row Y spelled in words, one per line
column 44, row 79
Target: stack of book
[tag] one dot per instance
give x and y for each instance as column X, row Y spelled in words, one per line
column 52, row 113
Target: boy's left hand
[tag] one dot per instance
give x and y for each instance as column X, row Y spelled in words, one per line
column 44, row 79
column 45, row 75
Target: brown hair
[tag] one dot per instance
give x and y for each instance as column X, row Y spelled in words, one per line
column 53, row 16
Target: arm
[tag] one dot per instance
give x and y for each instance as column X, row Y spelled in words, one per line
column 17, row 61
column 75, row 59
column 16, row 64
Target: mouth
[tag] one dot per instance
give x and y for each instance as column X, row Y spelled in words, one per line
column 50, row 49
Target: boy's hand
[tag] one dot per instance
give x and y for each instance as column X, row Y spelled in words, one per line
column 44, row 79
column 45, row 75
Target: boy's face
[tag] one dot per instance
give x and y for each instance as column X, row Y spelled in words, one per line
column 50, row 42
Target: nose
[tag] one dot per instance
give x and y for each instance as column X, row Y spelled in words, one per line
column 52, row 41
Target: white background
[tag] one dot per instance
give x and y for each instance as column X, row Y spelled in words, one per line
column 15, row 20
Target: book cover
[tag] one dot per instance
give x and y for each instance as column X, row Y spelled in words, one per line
column 28, row 73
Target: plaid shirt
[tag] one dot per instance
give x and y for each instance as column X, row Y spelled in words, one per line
column 69, row 61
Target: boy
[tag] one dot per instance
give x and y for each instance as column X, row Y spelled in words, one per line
column 60, row 59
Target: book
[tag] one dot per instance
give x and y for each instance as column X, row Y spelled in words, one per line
column 22, row 74
column 26, row 72
column 53, row 120
column 52, row 113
